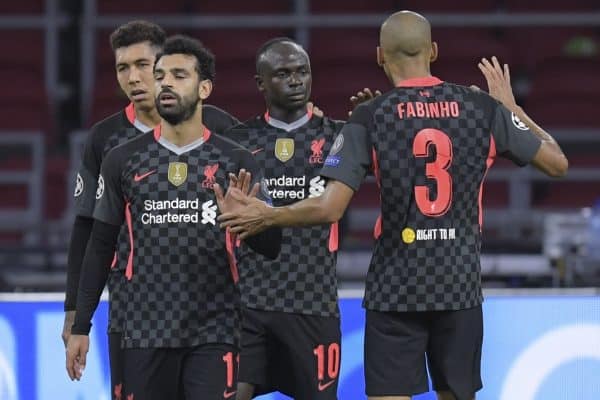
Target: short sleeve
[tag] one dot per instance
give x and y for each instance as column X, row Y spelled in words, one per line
column 514, row 140
column 110, row 201
column 349, row 158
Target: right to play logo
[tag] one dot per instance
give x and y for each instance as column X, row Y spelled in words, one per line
column 518, row 123
column 408, row 235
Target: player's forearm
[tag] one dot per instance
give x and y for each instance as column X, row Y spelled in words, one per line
column 82, row 228
column 96, row 267
column 561, row 164
column 312, row 211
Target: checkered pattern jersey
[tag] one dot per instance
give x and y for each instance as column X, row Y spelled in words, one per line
column 182, row 287
column 303, row 278
column 430, row 171
column 104, row 135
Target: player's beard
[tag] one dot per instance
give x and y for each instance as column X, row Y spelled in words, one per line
column 182, row 111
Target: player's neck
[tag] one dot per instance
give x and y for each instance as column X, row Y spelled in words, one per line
column 185, row 132
column 150, row 118
column 287, row 116
column 399, row 73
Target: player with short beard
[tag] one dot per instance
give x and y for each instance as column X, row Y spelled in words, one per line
column 181, row 317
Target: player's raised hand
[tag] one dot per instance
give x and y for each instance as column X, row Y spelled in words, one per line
column 66, row 332
column 314, row 109
column 362, row 96
column 498, row 81
column 77, row 349
column 237, row 193
column 248, row 220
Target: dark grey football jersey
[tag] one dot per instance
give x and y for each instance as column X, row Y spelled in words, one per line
column 181, row 272
column 430, row 144
column 303, row 278
column 114, row 130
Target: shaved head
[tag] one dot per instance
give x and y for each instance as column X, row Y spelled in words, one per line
column 272, row 51
column 405, row 34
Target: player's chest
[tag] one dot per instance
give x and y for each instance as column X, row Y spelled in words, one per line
column 163, row 175
column 291, row 153
column 171, row 190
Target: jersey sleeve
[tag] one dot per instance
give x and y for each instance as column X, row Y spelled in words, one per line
column 110, row 200
column 349, row 158
column 218, row 120
column 514, row 140
column 87, row 175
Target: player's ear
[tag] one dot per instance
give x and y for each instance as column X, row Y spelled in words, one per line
column 380, row 58
column 260, row 84
column 205, row 89
column 434, row 52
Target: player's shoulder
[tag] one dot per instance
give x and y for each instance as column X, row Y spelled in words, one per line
column 247, row 130
column 327, row 124
column 237, row 133
column 125, row 150
column 103, row 129
column 227, row 142
column 478, row 96
column 111, row 123
column 219, row 118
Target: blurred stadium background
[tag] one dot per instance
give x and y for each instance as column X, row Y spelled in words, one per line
column 59, row 79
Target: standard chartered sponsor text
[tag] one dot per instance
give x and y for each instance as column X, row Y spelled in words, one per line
column 294, row 187
column 184, row 215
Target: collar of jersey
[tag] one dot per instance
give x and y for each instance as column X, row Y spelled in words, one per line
column 179, row 150
column 420, row 82
column 137, row 124
column 130, row 113
column 284, row 125
column 140, row 126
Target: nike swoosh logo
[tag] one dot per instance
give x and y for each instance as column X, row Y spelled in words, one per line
column 227, row 394
column 256, row 151
column 138, row 178
column 323, row 386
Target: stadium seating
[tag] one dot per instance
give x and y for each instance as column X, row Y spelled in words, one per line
column 241, row 7
column 24, row 104
column 439, row 6
column 343, row 62
column 141, row 7
column 353, row 6
column 533, row 46
column 551, row 5
column 22, row 7
column 564, row 93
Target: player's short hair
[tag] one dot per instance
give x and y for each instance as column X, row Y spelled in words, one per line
column 182, row 44
column 270, row 43
column 135, row 32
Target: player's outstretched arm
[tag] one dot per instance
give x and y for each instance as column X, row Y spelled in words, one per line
column 256, row 216
column 267, row 243
column 96, row 267
column 550, row 158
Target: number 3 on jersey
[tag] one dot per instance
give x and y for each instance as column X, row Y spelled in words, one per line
column 436, row 170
